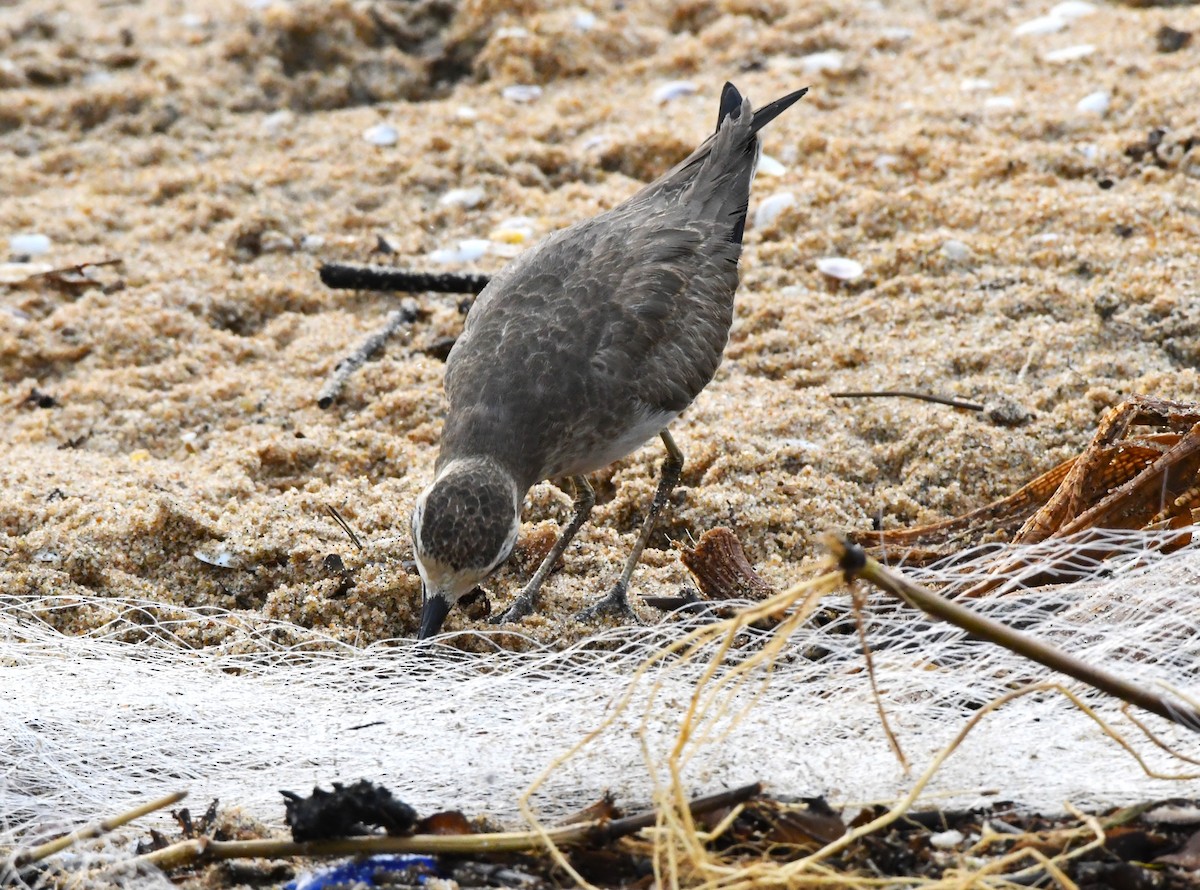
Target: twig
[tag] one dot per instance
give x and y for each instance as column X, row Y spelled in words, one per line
column 34, row 854
column 856, row 564
column 857, row 599
column 388, row 278
column 401, row 317
column 191, row 852
column 345, row 526
column 905, row 394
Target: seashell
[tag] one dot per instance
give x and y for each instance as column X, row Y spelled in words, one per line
column 381, row 134
column 839, row 267
column 770, row 208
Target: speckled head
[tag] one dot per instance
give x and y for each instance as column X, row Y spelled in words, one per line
column 463, row 526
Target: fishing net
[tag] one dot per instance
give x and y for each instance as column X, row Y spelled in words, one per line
column 94, row 722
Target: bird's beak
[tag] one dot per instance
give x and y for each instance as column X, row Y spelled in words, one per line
column 433, row 613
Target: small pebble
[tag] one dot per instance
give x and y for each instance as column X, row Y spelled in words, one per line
column 140, row 455
column 276, row 122
column 583, row 20
column 29, row 245
column 1003, row 411
column 381, row 134
column 512, row 32
column 676, row 89
column 897, row 35
column 522, row 93
column 467, row 252
column 466, row 113
column 1094, row 103
column 768, row 166
column 819, row 63
column 467, row 198
column 596, row 142
column 1170, row 40
column 886, row 161
column 312, row 243
column 770, row 208
column 840, row 268
column 956, row 251
column 946, row 840
column 1000, row 103
column 975, row 85
column 1070, row 53
column 276, row 242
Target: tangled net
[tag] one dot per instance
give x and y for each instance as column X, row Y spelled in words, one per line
column 91, row 723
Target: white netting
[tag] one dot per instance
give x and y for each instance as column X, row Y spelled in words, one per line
column 90, row 725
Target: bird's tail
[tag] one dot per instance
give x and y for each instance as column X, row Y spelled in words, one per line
column 717, row 175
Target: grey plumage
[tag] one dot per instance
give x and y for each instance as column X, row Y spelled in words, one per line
column 587, row 345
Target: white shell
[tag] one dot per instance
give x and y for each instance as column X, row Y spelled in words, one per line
column 840, row 268
column 222, row 559
column 1094, row 103
column 676, row 89
column 522, row 93
column 467, row 251
column 381, row 134
column 768, row 166
column 468, row 198
column 583, row 20
column 816, row 63
column 1043, row 24
column 1073, row 9
column 956, row 251
column 975, row 85
column 946, row 840
column 771, row 206
column 29, row 244
column 1000, row 102
column 1070, row 53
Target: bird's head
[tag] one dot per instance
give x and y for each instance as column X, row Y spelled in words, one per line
column 463, row 526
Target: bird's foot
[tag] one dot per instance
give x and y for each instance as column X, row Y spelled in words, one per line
column 522, row 607
column 614, row 604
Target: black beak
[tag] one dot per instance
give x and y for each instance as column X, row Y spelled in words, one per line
column 433, row 613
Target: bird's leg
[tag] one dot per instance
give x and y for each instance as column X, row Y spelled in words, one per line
column 526, row 601
column 617, row 600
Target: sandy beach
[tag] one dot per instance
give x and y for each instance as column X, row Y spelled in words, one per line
column 1023, row 199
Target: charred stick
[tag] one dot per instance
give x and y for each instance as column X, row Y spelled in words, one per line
column 388, row 278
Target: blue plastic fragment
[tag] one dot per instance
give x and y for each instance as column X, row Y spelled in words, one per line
column 362, row 872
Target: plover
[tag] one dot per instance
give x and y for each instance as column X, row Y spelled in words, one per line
column 576, row 353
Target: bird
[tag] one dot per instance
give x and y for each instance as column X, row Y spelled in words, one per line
column 580, row 350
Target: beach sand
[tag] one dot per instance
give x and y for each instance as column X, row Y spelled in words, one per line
column 161, row 438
